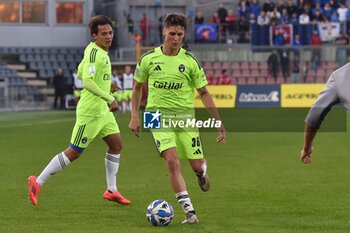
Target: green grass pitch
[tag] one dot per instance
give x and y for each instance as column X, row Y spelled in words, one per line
column 257, row 182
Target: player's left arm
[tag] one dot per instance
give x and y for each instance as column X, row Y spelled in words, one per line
column 210, row 106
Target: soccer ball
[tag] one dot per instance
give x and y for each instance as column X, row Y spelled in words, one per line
column 160, row 213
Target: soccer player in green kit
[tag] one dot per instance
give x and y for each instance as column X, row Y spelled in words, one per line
column 94, row 114
column 172, row 74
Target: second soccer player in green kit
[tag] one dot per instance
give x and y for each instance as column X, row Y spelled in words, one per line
column 94, row 116
column 172, row 74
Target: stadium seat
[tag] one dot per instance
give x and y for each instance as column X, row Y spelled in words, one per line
column 263, row 65
column 270, row 80
column 207, row 66
column 251, row 80
column 280, row 80
column 245, row 73
column 226, row 65
column 254, row 65
column 241, row 81
column 309, row 79
column 261, row 80
column 319, row 80
column 245, row 66
column 217, row 66
column 235, row 66
column 53, row 58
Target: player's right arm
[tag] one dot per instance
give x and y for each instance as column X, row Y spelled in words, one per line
column 140, row 77
column 135, row 105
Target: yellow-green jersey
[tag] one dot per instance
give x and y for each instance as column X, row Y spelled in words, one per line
column 96, row 67
column 171, row 79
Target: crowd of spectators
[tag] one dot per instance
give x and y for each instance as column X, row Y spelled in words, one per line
column 234, row 24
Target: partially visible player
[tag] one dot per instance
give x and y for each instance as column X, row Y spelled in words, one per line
column 336, row 91
column 78, row 87
column 94, row 117
column 118, row 94
column 128, row 81
column 173, row 74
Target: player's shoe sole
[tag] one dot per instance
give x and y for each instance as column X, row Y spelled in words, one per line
column 33, row 189
column 204, row 183
column 116, row 197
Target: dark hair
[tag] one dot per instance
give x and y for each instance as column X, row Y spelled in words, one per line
column 97, row 20
column 175, row 19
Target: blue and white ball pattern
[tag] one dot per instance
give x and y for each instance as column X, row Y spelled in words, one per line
column 160, row 213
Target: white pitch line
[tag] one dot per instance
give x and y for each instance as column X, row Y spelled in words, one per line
column 36, row 123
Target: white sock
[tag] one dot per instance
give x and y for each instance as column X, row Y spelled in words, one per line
column 184, row 200
column 112, row 166
column 124, row 106
column 58, row 163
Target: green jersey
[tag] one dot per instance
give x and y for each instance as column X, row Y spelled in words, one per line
column 171, row 79
column 95, row 66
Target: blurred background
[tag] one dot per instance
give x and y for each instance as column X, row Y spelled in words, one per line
column 260, row 47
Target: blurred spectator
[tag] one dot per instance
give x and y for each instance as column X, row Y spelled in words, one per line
column 278, row 39
column 342, row 11
column 341, row 54
column 263, row 19
column 315, row 40
column 328, row 11
column 317, row 8
column 118, row 94
column 273, row 64
column 291, row 8
column 59, row 85
column 199, row 19
column 318, row 17
column 222, row 14
column 296, row 44
column 243, row 9
column 273, row 18
column 78, row 86
column 294, row 19
column 225, row 79
column 334, row 17
column 333, row 4
column 215, row 18
column 243, row 29
column 304, row 18
column 160, row 28
column 284, row 58
column 231, row 24
column 145, row 26
column 284, row 19
column 268, row 6
column 255, row 8
column 130, row 23
column 211, row 79
column 296, row 70
column 252, row 19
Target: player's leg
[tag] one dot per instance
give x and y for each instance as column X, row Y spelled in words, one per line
column 166, row 144
column 111, row 135
column 191, row 147
column 83, row 133
column 178, row 184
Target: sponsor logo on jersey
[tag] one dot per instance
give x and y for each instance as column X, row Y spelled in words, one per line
column 167, row 85
column 156, row 63
column 157, row 68
column 181, row 68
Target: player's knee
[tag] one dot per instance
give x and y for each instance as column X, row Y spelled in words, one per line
column 115, row 149
column 173, row 164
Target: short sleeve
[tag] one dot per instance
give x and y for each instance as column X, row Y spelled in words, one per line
column 198, row 75
column 141, row 74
